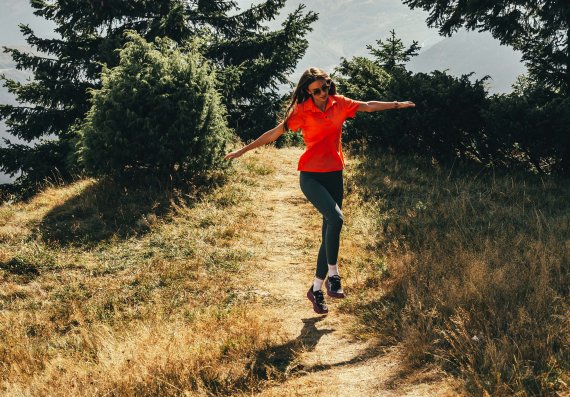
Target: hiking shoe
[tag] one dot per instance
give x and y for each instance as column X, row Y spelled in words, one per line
column 334, row 289
column 318, row 300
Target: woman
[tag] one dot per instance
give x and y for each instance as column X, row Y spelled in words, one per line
column 319, row 113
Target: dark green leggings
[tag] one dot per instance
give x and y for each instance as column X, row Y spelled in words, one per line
column 324, row 190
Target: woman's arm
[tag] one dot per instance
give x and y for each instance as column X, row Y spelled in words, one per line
column 264, row 139
column 375, row 106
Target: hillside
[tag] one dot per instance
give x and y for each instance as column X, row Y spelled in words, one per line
column 467, row 52
column 457, row 281
column 146, row 293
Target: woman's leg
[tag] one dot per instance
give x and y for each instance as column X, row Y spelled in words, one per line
column 325, row 192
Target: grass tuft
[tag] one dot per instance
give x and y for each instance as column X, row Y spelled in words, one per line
column 472, row 270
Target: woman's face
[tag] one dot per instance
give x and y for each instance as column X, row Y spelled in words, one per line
column 319, row 90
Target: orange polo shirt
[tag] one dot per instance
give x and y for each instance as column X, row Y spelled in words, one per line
column 322, row 132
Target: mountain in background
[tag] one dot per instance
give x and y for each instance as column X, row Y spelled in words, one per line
column 344, row 29
column 467, row 52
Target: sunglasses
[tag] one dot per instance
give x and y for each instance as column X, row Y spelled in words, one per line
column 325, row 88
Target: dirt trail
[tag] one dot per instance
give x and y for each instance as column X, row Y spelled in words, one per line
column 332, row 362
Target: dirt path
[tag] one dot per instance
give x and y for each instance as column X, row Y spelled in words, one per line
column 332, row 362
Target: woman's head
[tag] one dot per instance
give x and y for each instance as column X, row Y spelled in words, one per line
column 314, row 82
column 315, row 78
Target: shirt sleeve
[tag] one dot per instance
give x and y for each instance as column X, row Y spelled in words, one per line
column 295, row 120
column 350, row 106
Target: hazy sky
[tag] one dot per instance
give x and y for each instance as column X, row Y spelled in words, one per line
column 345, row 27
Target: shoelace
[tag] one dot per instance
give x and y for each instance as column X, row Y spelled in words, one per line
column 319, row 297
column 335, row 282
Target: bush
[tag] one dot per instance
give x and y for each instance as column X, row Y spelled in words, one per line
column 446, row 122
column 529, row 128
column 363, row 79
column 454, row 118
column 156, row 112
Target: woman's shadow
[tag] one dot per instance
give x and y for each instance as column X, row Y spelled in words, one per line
column 282, row 361
column 279, row 362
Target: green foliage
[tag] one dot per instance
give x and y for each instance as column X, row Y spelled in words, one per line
column 157, row 111
column 393, row 54
column 447, row 121
column 529, row 127
column 363, row 79
column 445, row 124
column 539, row 29
column 454, row 118
column 251, row 62
column 70, row 65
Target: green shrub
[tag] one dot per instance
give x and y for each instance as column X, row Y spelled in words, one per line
column 156, row 112
column 446, row 122
column 455, row 118
column 529, row 128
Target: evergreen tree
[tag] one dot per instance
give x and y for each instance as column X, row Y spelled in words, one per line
column 392, row 54
column 251, row 59
column 540, row 29
column 157, row 112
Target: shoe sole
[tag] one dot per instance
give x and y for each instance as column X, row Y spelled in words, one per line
column 315, row 306
column 333, row 294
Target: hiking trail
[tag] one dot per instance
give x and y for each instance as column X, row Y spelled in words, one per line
column 332, row 361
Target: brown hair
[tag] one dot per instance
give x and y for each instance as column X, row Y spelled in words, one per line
column 300, row 94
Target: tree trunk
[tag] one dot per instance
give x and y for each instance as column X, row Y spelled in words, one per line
column 567, row 91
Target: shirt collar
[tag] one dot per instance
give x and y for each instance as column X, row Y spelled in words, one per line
column 310, row 105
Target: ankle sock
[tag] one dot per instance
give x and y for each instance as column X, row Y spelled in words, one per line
column 333, row 270
column 317, row 284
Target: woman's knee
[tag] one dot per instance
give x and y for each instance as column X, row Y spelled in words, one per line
column 336, row 219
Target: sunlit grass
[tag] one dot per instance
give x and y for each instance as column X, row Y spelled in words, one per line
column 107, row 291
column 123, row 292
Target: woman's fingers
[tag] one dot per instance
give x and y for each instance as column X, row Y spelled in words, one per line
column 232, row 155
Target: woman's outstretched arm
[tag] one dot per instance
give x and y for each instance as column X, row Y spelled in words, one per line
column 264, row 139
column 376, row 106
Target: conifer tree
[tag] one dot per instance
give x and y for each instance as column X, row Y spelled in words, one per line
column 540, row 29
column 251, row 61
column 157, row 112
column 392, row 54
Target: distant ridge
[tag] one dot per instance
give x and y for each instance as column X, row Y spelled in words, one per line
column 345, row 27
column 467, row 52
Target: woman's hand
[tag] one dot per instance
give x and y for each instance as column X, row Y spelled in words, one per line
column 406, row 104
column 233, row 155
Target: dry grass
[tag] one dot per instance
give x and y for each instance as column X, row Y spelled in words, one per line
column 118, row 292
column 115, row 292
column 469, row 269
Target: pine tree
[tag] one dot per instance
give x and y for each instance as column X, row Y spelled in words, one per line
column 158, row 112
column 392, row 54
column 540, row 29
column 251, row 61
